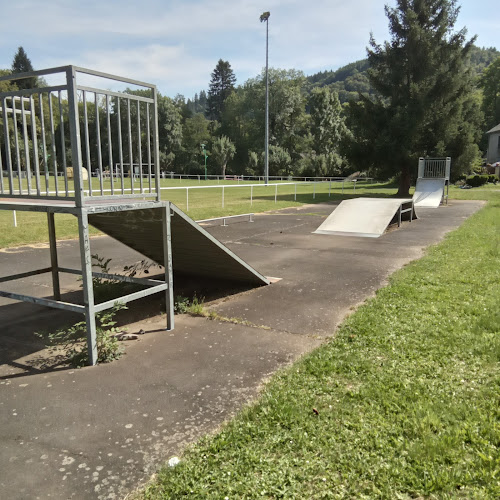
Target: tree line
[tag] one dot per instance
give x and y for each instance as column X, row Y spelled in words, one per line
column 427, row 91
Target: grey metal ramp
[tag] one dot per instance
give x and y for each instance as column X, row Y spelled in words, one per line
column 194, row 251
column 366, row 217
column 429, row 192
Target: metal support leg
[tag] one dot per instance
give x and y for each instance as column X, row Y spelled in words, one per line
column 167, row 259
column 88, row 287
column 53, row 256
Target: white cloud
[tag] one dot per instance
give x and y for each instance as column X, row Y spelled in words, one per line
column 176, row 44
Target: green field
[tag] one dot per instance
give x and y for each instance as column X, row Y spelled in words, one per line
column 407, row 395
column 207, row 203
column 203, row 204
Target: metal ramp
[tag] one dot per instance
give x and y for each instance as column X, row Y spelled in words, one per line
column 429, row 193
column 366, row 217
column 195, row 252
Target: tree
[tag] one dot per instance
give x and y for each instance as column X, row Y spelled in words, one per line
column 221, row 86
column 490, row 83
column 22, row 64
column 223, row 150
column 328, row 129
column 423, row 80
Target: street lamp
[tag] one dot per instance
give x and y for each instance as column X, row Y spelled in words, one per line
column 206, row 156
column 265, row 18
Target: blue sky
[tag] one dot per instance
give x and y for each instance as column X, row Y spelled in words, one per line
column 176, row 44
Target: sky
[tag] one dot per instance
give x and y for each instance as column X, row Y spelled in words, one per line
column 176, row 44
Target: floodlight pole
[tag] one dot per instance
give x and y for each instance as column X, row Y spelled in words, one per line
column 265, row 18
column 206, row 156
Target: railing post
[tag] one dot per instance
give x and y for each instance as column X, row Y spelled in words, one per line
column 167, row 261
column 421, row 167
column 156, row 148
column 74, row 131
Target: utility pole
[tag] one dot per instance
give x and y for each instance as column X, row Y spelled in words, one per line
column 265, row 18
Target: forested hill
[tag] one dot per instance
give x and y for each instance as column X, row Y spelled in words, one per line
column 353, row 78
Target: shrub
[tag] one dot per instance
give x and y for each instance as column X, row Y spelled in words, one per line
column 493, row 178
column 73, row 340
column 477, row 180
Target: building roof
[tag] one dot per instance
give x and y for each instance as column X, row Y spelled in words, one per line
column 494, row 129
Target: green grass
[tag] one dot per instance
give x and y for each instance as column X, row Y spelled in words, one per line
column 203, row 204
column 207, row 203
column 407, row 396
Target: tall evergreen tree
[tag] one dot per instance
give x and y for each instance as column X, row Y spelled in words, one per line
column 22, row 64
column 490, row 82
column 423, row 80
column 221, row 86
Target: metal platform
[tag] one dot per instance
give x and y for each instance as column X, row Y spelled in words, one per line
column 366, row 217
column 43, row 128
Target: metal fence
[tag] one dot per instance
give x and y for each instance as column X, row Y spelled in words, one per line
column 54, row 139
column 434, row 168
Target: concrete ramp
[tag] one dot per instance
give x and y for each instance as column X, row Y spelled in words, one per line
column 195, row 252
column 429, row 192
column 365, row 217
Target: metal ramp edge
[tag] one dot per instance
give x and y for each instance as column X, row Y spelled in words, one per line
column 195, row 252
column 365, row 217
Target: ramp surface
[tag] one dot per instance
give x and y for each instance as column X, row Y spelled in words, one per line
column 365, row 217
column 194, row 251
column 429, row 192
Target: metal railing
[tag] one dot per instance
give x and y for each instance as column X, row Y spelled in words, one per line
column 434, row 168
column 56, row 137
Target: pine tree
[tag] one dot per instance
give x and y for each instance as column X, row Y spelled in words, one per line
column 22, row 64
column 423, row 80
column 221, row 86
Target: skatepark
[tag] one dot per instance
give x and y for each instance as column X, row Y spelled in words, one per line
column 103, row 430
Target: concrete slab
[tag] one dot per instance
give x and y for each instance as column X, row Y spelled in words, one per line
column 365, row 217
column 99, row 431
column 429, row 192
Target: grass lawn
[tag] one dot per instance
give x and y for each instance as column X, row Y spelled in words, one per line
column 403, row 403
column 203, row 204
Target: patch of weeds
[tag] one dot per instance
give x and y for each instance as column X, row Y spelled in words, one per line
column 107, row 288
column 72, row 341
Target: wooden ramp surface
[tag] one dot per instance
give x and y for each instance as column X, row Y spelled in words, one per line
column 195, row 252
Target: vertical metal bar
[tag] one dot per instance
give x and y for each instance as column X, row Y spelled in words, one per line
column 251, row 195
column 156, row 144
column 16, row 145
column 110, row 146
column 120, row 145
column 354, row 183
column 1, row 171
column 26, row 145
column 139, row 145
column 343, row 180
column 88, row 287
column 167, row 260
column 44, row 144
column 15, row 218
column 8, row 153
column 63, row 146
column 275, row 193
column 53, row 137
column 87, row 141
column 53, row 256
column 76, row 147
column 34, row 139
column 148, row 134
column 314, row 190
column 222, row 196
column 99, row 146
column 130, row 152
